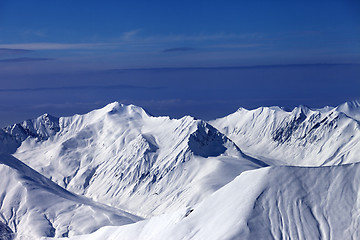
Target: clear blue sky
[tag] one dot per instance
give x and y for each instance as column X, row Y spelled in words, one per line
column 204, row 58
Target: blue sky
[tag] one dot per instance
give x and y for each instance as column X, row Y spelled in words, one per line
column 204, row 58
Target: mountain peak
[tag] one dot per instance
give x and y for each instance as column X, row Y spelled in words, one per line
column 40, row 128
column 240, row 109
column 301, row 109
column 120, row 108
column 115, row 104
column 207, row 141
column 351, row 109
column 47, row 118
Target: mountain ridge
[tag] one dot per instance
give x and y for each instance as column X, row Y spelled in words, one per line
column 302, row 136
column 120, row 155
column 160, row 168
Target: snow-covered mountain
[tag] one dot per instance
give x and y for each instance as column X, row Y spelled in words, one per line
column 40, row 129
column 32, row 206
column 351, row 109
column 278, row 202
column 303, row 137
column 72, row 175
column 122, row 156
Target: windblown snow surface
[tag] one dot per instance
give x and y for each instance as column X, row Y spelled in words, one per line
column 268, row 203
column 120, row 173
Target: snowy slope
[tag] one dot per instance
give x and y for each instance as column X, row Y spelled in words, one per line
column 352, row 109
column 188, row 179
column 268, row 203
column 302, row 137
column 31, row 206
column 122, row 156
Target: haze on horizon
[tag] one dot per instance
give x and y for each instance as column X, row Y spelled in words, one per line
column 202, row 58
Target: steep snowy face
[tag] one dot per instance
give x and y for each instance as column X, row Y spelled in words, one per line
column 40, row 128
column 301, row 137
column 269, row 203
column 206, row 141
column 31, row 206
column 122, row 156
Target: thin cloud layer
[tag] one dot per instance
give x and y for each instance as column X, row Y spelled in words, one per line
column 13, row 51
column 25, row 59
column 53, row 46
column 178, row 49
column 229, row 67
column 118, row 86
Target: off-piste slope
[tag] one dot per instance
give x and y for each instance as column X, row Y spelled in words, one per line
column 32, row 206
column 122, row 156
column 269, row 203
column 327, row 136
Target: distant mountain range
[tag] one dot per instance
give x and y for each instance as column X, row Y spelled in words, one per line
column 254, row 174
column 301, row 137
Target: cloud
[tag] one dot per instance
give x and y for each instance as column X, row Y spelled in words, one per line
column 13, row 51
column 119, row 86
column 234, row 46
column 53, row 46
column 128, row 39
column 25, row 59
column 179, row 49
column 228, row 67
column 129, row 35
column 204, row 37
column 36, row 33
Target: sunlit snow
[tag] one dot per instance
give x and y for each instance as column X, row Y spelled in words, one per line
column 120, row 173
